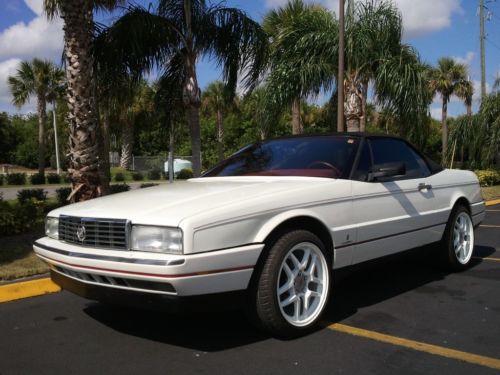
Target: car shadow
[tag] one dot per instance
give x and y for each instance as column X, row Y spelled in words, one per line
column 353, row 288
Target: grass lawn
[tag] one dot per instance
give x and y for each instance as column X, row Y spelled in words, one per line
column 17, row 258
column 491, row 192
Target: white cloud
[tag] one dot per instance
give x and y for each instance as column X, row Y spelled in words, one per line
column 23, row 41
column 39, row 37
column 419, row 16
column 467, row 59
column 436, row 113
column 35, row 5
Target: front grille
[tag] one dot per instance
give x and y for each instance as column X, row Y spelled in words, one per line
column 117, row 281
column 100, row 233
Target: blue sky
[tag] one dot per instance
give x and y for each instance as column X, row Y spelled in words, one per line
column 435, row 28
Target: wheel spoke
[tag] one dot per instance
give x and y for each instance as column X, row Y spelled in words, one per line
column 296, row 262
column 285, row 287
column 288, row 271
column 291, row 299
column 296, row 311
column 305, row 259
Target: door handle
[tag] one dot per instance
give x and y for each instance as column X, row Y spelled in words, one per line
column 423, row 186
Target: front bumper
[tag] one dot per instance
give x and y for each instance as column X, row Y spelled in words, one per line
column 162, row 274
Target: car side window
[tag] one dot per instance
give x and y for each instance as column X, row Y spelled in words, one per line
column 364, row 164
column 389, row 150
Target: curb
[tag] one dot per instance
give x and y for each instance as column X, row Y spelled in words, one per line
column 38, row 287
column 25, row 289
column 492, row 202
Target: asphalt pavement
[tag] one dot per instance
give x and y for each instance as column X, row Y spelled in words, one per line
column 405, row 297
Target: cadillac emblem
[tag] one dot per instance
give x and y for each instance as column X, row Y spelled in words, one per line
column 81, row 232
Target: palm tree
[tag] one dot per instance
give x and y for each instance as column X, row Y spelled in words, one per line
column 176, row 35
column 465, row 91
column 445, row 79
column 293, row 79
column 216, row 99
column 376, row 54
column 496, row 84
column 42, row 79
column 81, row 92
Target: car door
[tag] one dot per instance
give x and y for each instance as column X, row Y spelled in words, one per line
column 391, row 213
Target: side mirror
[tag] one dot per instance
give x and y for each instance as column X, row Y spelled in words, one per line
column 387, row 170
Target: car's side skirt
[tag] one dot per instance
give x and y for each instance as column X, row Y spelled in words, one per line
column 390, row 244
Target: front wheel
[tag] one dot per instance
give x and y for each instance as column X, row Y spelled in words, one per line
column 458, row 241
column 293, row 285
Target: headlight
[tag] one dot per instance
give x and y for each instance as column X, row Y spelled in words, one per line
column 52, row 227
column 156, row 239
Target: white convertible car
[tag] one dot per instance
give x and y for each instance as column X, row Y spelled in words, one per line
column 274, row 220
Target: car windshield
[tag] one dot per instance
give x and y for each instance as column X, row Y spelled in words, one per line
column 310, row 156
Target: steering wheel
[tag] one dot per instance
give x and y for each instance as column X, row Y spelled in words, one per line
column 324, row 164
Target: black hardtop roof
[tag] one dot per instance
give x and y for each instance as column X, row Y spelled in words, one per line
column 342, row 134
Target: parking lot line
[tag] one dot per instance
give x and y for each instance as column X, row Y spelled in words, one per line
column 489, row 226
column 488, row 258
column 493, row 363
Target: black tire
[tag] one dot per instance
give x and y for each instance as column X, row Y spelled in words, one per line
column 264, row 293
column 449, row 257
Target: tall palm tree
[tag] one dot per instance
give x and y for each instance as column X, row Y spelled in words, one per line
column 216, row 99
column 444, row 80
column 176, row 35
column 81, row 92
column 376, row 54
column 293, row 79
column 42, row 79
column 465, row 90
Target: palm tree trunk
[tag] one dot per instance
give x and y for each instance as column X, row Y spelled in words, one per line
column 127, row 143
column 220, row 135
column 82, row 117
column 296, row 122
column 444, row 135
column 364, row 98
column 191, row 96
column 42, row 116
column 353, row 105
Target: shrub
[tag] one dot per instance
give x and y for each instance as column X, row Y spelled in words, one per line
column 53, row 178
column 1, row 179
column 17, row 218
column 26, row 195
column 65, row 178
column 16, row 179
column 154, row 174
column 137, row 176
column 148, row 184
column 184, row 174
column 118, row 188
column 62, row 195
column 119, row 177
column 37, row 179
column 488, row 177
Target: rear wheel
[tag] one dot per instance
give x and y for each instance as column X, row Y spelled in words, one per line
column 293, row 285
column 458, row 241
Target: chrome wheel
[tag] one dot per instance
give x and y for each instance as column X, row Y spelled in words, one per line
column 463, row 238
column 302, row 287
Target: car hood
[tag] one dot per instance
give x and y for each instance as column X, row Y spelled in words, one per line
column 169, row 204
